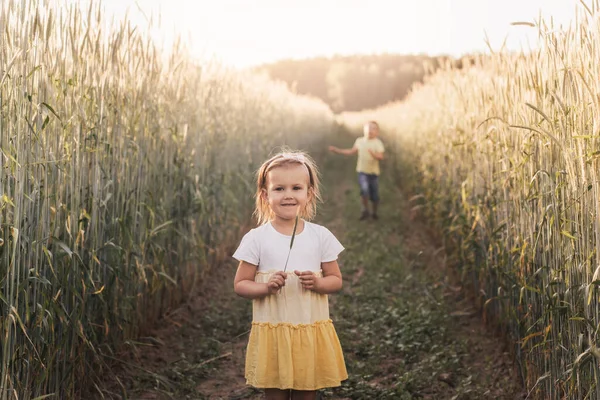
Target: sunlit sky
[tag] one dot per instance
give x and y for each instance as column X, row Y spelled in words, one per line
column 248, row 32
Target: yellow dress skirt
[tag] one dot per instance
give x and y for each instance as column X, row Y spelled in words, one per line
column 293, row 344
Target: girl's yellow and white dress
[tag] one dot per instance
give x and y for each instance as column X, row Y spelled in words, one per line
column 293, row 343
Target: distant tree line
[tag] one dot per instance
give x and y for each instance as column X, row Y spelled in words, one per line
column 354, row 83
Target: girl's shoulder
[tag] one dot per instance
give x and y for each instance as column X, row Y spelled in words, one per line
column 329, row 243
column 317, row 229
column 259, row 230
column 312, row 226
column 256, row 233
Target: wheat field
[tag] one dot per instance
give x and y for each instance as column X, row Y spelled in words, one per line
column 122, row 178
column 124, row 173
column 504, row 157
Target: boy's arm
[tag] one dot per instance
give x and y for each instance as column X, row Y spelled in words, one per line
column 376, row 154
column 346, row 152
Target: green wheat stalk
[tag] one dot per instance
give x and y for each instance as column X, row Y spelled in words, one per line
column 291, row 242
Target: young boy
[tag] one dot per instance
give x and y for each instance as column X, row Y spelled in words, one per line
column 370, row 151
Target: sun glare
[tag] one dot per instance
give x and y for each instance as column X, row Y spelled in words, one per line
column 243, row 33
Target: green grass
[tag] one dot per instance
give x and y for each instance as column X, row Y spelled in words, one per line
column 392, row 329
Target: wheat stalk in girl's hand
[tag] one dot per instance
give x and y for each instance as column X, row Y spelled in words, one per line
column 292, row 241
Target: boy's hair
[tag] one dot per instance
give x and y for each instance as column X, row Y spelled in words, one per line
column 263, row 211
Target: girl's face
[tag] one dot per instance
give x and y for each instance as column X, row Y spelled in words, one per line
column 287, row 190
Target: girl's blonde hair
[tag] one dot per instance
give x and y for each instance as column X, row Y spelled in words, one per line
column 263, row 211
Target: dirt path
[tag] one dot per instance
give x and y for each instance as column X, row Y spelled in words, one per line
column 406, row 329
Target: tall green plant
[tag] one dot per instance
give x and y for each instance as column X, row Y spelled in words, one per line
column 123, row 177
column 505, row 153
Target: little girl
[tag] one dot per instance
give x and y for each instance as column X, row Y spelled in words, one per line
column 293, row 349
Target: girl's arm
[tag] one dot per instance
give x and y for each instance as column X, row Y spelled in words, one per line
column 331, row 281
column 244, row 284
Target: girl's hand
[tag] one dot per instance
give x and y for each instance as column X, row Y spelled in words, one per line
column 308, row 279
column 276, row 282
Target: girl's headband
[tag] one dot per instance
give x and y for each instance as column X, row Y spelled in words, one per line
column 299, row 158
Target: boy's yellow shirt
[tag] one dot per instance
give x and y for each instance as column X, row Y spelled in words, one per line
column 366, row 163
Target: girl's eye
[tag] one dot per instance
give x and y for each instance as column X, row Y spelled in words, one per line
column 298, row 188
